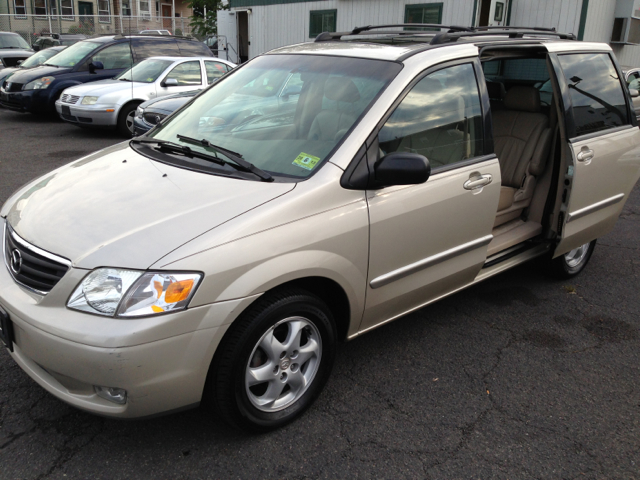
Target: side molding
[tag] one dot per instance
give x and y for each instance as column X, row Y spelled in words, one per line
column 390, row 277
column 595, row 207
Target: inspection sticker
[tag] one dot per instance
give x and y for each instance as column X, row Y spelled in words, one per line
column 306, row 161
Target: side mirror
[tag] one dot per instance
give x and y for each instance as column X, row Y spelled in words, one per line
column 402, row 168
column 35, row 47
column 170, row 82
column 19, row 62
column 634, row 93
column 97, row 65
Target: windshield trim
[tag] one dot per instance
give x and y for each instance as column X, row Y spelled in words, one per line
column 287, row 178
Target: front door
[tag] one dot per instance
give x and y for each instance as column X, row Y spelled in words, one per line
column 492, row 12
column 604, row 146
column 85, row 11
column 166, row 17
column 187, row 75
column 429, row 240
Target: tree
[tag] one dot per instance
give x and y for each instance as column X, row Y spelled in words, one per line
column 201, row 25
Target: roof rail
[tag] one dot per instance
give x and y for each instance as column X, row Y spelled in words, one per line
column 453, row 33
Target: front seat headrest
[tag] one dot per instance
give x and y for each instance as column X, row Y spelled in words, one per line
column 495, row 90
column 341, row 89
column 523, row 99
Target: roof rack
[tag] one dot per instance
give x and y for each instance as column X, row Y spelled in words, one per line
column 452, row 34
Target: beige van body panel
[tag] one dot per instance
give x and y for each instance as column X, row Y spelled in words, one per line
column 321, row 230
column 600, row 186
column 428, row 240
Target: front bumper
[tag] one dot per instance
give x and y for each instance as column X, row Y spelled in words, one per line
column 34, row 101
column 89, row 115
column 162, row 362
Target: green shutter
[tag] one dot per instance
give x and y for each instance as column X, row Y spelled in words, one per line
column 322, row 21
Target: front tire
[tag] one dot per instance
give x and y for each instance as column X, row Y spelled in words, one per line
column 125, row 120
column 571, row 263
column 274, row 361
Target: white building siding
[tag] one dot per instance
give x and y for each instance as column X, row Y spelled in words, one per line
column 600, row 17
column 564, row 15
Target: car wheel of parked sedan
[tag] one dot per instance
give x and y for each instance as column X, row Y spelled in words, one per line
column 572, row 263
column 274, row 361
column 125, row 119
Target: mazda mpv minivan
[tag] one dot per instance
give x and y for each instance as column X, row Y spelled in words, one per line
column 225, row 260
column 97, row 58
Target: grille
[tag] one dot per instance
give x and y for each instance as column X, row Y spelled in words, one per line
column 153, row 118
column 66, row 98
column 13, row 87
column 31, row 266
column 13, row 61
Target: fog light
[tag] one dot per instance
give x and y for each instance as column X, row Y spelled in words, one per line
column 115, row 395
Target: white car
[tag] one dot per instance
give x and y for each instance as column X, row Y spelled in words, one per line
column 112, row 103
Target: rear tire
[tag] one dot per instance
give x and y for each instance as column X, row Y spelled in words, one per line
column 125, row 120
column 274, row 361
column 571, row 263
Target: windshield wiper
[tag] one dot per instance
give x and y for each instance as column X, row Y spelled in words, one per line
column 124, row 79
column 235, row 156
column 51, row 65
column 183, row 149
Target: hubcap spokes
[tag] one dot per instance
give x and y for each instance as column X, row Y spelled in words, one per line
column 283, row 364
column 129, row 121
column 576, row 256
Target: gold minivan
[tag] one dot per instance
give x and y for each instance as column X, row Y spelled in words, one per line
column 313, row 194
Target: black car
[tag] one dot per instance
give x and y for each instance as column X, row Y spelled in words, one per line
column 33, row 61
column 48, row 40
column 151, row 112
column 14, row 48
column 36, row 90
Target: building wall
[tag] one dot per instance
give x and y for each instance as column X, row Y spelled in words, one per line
column 272, row 26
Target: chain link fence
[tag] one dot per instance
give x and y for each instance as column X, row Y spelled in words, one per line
column 30, row 27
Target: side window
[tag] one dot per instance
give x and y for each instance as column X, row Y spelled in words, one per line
column 187, row 73
column 439, row 118
column 214, row 70
column 633, row 82
column 115, row 56
column 597, row 97
column 154, row 47
column 191, row 48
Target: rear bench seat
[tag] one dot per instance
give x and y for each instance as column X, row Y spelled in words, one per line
column 522, row 139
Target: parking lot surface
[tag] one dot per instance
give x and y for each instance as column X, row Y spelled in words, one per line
column 517, row 377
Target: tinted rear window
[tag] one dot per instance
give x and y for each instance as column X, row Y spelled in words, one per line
column 194, row 49
column 154, row 47
column 597, row 98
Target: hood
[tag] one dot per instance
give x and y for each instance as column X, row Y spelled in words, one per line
column 166, row 105
column 29, row 74
column 15, row 52
column 178, row 99
column 118, row 208
column 103, row 87
column 5, row 72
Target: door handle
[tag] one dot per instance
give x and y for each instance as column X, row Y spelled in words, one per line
column 477, row 181
column 585, row 154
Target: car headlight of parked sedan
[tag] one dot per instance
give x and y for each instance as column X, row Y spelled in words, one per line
column 39, row 84
column 89, row 100
column 131, row 293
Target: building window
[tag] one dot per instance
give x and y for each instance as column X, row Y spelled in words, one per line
column 322, row 21
column 20, row 8
column 423, row 13
column 67, row 9
column 144, row 8
column 104, row 11
column 40, row 8
column 157, row 9
column 126, row 7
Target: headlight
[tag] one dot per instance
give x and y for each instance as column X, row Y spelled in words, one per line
column 130, row 293
column 39, row 84
column 139, row 112
column 89, row 100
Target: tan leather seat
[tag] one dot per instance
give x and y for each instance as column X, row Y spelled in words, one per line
column 331, row 125
column 522, row 140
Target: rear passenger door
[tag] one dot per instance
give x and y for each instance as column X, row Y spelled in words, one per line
column 604, row 146
column 430, row 239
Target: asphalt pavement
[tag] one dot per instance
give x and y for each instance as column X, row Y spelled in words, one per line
column 517, row 377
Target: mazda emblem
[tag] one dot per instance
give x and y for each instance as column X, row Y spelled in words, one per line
column 16, row 261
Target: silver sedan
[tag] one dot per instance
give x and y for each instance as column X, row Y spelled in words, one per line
column 112, row 103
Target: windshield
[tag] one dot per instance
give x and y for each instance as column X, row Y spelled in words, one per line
column 283, row 113
column 13, row 41
column 38, row 58
column 70, row 56
column 147, row 71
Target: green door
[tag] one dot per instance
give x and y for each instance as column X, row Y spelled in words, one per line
column 85, row 11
